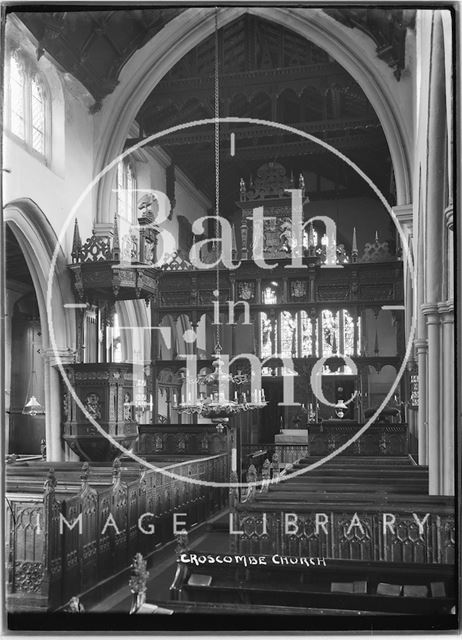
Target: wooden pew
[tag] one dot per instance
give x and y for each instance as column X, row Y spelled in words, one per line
column 65, row 563
column 337, row 587
column 139, row 605
column 354, row 529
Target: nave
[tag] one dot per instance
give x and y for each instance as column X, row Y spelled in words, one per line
column 245, row 328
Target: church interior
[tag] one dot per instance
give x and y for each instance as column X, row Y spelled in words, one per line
column 228, row 315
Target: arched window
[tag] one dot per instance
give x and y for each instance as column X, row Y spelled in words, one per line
column 27, row 104
column 126, row 192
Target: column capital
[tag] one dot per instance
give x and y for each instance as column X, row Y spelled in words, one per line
column 449, row 216
column 446, row 310
column 421, row 346
column 430, row 310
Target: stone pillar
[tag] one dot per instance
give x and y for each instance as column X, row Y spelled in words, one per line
column 434, row 399
column 422, row 422
column 434, row 179
column 446, row 311
column 53, row 404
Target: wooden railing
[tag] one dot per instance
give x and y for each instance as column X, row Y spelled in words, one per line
column 106, row 519
column 380, row 439
column 353, row 532
column 186, row 439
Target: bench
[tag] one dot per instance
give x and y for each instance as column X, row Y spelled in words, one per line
column 377, row 587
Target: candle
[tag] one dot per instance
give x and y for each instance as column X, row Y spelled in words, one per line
column 235, row 396
column 174, row 398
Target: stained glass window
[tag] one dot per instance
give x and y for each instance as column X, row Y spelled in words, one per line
column 267, row 328
column 330, row 332
column 306, row 328
column 348, row 333
column 289, row 334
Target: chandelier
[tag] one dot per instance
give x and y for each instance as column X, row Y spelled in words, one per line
column 217, row 406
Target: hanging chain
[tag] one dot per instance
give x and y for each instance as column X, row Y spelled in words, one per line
column 217, row 177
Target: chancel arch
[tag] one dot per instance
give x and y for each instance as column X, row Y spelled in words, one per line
column 139, row 77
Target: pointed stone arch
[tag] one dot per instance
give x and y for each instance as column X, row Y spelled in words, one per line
column 37, row 241
column 353, row 50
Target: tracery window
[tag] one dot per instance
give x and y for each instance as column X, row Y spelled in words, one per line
column 27, row 104
column 338, row 333
column 299, row 335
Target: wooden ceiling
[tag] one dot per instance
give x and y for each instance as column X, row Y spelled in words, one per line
column 270, row 73
column 94, row 45
column 266, row 71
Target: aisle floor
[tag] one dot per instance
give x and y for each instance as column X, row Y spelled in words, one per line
column 163, row 567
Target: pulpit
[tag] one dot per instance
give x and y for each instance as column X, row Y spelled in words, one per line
column 106, row 392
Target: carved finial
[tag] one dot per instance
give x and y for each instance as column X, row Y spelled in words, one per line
column 43, row 449
column 354, row 247
column 376, row 237
column 76, row 243
column 50, row 482
column 182, row 542
column 115, row 240
column 291, row 184
column 116, row 470
column 138, row 581
column 301, row 182
column 376, row 344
